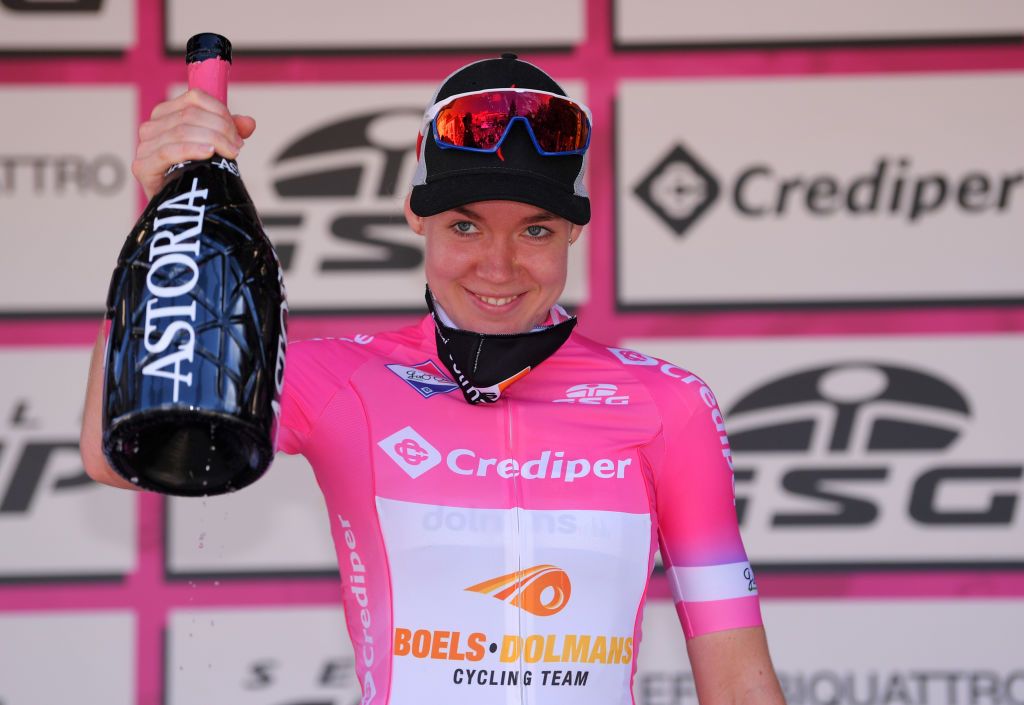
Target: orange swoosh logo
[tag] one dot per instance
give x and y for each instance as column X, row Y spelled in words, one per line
column 542, row 590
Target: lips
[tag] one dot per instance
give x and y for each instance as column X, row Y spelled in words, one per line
column 495, row 300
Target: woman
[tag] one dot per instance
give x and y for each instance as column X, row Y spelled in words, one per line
column 497, row 483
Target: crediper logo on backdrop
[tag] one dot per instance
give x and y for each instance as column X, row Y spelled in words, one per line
column 679, row 189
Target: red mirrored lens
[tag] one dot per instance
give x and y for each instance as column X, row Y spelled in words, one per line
column 480, row 121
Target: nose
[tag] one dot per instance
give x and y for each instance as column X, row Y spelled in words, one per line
column 497, row 262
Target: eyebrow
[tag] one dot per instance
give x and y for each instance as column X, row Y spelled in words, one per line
column 540, row 217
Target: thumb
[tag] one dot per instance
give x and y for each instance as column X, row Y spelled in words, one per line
column 245, row 125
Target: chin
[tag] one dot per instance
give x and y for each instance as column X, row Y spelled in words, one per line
column 498, row 327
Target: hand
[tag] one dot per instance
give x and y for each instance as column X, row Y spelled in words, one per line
column 192, row 126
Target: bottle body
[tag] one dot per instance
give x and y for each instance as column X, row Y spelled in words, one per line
column 196, row 346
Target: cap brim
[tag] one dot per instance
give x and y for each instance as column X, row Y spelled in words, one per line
column 465, row 187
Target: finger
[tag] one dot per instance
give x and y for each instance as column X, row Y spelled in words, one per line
column 245, row 125
column 193, row 96
column 189, row 115
column 190, row 133
column 155, row 164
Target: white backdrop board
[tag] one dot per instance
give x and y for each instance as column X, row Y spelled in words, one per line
column 660, row 22
column 323, row 25
column 66, row 25
column 55, row 523
column 861, row 652
column 67, row 196
column 277, row 526
column 266, row 656
column 57, row 658
column 812, row 191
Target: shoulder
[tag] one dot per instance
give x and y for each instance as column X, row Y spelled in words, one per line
column 331, row 361
column 677, row 391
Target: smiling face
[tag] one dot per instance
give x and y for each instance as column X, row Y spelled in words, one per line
column 495, row 266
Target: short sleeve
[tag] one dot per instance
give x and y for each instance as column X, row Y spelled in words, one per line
column 706, row 564
column 301, row 397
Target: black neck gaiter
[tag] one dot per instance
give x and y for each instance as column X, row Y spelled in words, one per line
column 484, row 364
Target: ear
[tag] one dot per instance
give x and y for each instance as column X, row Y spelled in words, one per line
column 415, row 222
column 574, row 232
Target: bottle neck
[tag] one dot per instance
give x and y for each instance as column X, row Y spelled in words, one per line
column 210, row 76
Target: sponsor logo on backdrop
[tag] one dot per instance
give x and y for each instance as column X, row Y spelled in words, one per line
column 325, row 678
column 41, row 465
column 55, row 522
column 425, row 377
column 846, row 436
column 593, row 394
column 679, row 189
column 415, row 455
column 843, row 685
column 57, row 175
column 542, row 590
column 347, row 164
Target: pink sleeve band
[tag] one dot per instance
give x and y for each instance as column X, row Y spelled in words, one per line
column 700, row 618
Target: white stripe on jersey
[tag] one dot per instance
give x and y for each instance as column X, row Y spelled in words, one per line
column 712, row 582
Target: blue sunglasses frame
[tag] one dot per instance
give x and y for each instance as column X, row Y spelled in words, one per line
column 433, row 111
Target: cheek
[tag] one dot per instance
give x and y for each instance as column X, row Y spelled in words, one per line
column 441, row 264
column 552, row 270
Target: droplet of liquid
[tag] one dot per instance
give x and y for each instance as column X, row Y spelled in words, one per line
column 134, row 479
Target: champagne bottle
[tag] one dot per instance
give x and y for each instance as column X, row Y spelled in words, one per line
column 197, row 317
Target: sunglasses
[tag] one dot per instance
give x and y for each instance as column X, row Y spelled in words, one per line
column 480, row 121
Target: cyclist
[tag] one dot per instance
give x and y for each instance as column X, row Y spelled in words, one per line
column 498, row 484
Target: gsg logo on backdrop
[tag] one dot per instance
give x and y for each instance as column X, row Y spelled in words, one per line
column 872, row 452
column 54, row 521
column 329, row 168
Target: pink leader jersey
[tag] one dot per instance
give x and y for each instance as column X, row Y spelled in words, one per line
column 500, row 553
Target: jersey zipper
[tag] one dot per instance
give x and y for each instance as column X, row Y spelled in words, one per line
column 517, row 538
